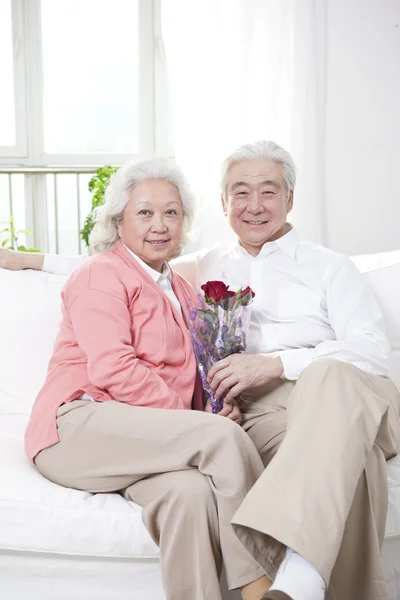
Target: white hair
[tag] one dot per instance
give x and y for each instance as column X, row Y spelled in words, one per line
column 110, row 214
column 260, row 149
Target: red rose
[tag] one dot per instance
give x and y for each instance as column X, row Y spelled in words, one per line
column 245, row 291
column 215, row 291
column 246, row 295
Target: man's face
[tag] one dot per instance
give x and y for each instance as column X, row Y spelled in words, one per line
column 257, row 203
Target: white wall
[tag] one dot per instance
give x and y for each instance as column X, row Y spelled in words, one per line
column 362, row 166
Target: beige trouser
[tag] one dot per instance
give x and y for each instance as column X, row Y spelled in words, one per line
column 188, row 470
column 325, row 492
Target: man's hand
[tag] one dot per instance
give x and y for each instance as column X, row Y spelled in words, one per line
column 230, row 410
column 10, row 260
column 239, row 372
column 16, row 261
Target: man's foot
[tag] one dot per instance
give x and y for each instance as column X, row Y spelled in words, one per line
column 276, row 595
column 296, row 579
column 256, row 589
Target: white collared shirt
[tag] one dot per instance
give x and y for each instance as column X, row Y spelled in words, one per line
column 310, row 302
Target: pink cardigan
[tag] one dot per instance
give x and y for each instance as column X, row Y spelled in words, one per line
column 120, row 338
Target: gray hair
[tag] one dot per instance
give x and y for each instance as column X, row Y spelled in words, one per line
column 107, row 217
column 260, row 149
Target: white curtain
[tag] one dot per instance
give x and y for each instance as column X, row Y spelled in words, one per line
column 239, row 71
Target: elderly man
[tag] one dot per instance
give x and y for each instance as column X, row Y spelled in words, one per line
column 312, row 388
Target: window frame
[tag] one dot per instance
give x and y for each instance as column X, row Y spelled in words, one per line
column 28, row 92
column 8, row 154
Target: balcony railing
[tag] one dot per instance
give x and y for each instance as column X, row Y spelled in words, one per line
column 50, row 202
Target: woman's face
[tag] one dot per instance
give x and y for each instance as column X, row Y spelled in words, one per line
column 151, row 225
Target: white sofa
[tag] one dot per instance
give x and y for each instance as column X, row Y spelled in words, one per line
column 61, row 544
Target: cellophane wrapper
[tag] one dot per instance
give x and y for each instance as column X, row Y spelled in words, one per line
column 217, row 333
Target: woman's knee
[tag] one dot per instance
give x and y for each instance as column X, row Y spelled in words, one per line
column 49, row 464
column 222, row 428
column 187, row 495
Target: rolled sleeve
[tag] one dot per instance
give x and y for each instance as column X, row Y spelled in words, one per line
column 294, row 362
column 61, row 265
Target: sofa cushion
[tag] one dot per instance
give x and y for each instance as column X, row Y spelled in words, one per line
column 37, row 515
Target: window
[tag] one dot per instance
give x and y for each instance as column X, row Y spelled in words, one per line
column 90, row 76
column 82, row 86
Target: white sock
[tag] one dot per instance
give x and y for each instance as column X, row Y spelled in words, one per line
column 298, row 578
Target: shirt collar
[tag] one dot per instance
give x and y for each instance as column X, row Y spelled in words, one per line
column 155, row 275
column 287, row 243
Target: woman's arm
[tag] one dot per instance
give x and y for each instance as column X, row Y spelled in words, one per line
column 101, row 324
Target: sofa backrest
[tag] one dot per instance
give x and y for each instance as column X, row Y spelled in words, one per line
column 371, row 262
column 385, row 283
column 30, row 314
column 382, row 271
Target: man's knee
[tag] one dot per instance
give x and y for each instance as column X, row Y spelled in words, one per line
column 325, row 368
column 271, row 447
column 268, row 433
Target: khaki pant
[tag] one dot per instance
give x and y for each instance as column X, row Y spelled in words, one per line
column 325, row 492
column 189, row 471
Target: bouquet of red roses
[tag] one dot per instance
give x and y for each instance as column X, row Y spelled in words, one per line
column 219, row 328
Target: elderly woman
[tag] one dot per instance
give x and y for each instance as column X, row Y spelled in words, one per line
column 115, row 412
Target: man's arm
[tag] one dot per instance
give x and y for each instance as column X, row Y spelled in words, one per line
column 51, row 263
column 16, row 261
column 355, row 317
column 357, row 320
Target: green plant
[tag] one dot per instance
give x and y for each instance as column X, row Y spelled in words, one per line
column 11, row 242
column 97, row 186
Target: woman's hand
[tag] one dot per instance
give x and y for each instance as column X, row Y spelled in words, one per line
column 230, row 410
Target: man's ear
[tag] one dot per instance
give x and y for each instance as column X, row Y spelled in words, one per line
column 224, row 205
column 290, row 201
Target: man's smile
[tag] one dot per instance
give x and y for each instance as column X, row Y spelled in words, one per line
column 258, row 222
